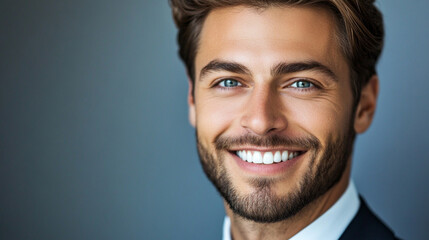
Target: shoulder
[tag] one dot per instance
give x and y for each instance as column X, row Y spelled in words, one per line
column 366, row 225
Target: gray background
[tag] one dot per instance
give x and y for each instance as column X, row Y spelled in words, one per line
column 94, row 137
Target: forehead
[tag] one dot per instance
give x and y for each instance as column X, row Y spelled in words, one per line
column 260, row 36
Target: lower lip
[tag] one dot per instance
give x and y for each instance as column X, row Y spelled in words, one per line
column 266, row 169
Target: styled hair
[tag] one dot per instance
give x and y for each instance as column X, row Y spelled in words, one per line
column 360, row 30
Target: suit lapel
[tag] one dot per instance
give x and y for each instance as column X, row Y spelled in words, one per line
column 366, row 225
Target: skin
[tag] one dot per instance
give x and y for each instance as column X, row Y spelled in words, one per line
column 262, row 104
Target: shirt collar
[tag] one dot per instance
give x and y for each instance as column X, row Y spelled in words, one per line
column 330, row 225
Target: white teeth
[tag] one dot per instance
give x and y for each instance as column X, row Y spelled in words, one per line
column 244, row 155
column 257, row 157
column 285, row 156
column 249, row 156
column 268, row 158
column 277, row 157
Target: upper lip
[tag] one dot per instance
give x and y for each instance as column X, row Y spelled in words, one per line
column 267, row 149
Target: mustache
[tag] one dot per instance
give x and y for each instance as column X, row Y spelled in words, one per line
column 307, row 142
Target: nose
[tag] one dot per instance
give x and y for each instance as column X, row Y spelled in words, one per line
column 263, row 112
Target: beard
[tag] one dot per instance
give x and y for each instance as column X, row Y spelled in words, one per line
column 263, row 205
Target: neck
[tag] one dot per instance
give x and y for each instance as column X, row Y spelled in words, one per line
column 244, row 229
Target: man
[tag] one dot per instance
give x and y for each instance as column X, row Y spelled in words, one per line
column 277, row 92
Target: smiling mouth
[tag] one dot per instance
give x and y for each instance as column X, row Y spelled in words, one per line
column 267, row 157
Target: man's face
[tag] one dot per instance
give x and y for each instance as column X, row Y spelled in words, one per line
column 271, row 86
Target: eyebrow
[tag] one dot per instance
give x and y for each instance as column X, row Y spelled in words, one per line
column 218, row 65
column 281, row 68
column 285, row 68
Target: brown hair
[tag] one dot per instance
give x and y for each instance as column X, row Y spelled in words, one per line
column 360, row 30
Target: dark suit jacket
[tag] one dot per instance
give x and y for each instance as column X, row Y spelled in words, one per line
column 365, row 225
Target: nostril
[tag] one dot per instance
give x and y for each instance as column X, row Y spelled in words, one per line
column 263, row 127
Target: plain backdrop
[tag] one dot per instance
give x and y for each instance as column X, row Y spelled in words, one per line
column 95, row 141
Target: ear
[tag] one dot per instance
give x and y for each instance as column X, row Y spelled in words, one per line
column 367, row 105
column 191, row 103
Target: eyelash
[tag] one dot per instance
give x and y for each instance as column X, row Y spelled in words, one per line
column 313, row 86
column 218, row 83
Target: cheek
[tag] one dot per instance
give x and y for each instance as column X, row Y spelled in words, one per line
column 216, row 116
column 319, row 117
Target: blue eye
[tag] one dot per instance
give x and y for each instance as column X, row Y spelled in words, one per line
column 302, row 84
column 229, row 83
